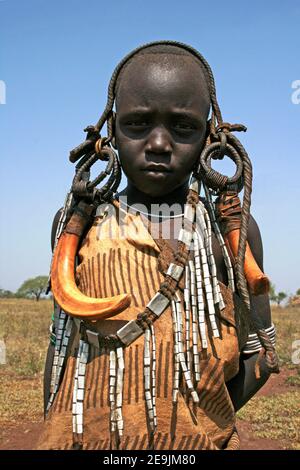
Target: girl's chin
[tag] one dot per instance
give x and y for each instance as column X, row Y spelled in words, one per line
column 155, row 191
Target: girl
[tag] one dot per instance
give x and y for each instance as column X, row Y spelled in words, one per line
column 151, row 343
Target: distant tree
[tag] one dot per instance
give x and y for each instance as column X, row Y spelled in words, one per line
column 280, row 297
column 272, row 293
column 33, row 287
column 6, row 294
column 298, row 292
column 276, row 297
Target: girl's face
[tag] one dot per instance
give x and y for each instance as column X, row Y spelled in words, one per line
column 161, row 115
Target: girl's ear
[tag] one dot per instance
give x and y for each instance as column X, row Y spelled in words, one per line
column 113, row 140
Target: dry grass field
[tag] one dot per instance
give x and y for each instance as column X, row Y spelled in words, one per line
column 270, row 420
column 273, row 414
column 24, row 326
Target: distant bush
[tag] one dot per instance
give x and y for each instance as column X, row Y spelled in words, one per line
column 6, row 294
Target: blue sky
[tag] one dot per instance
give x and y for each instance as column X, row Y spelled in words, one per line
column 56, row 58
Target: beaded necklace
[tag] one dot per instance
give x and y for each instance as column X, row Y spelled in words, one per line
column 150, row 214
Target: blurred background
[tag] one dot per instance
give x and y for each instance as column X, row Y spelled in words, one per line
column 55, row 63
column 56, row 59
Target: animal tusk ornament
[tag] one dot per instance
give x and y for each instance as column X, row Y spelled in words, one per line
column 63, row 285
column 258, row 282
column 228, row 209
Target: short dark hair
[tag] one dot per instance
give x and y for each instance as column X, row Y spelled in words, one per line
column 171, row 52
column 170, row 48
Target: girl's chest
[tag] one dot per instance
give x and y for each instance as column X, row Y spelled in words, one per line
column 168, row 231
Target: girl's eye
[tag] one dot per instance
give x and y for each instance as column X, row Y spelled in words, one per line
column 138, row 123
column 184, row 126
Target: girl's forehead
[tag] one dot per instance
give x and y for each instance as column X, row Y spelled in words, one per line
column 180, row 83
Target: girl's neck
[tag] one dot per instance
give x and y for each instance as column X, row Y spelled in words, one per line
column 135, row 196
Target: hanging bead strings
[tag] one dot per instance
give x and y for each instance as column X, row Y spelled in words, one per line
column 79, row 390
column 116, row 382
column 150, row 377
column 62, row 340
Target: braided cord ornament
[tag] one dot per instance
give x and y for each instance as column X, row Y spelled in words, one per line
column 223, row 143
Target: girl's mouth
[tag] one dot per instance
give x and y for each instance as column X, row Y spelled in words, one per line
column 157, row 168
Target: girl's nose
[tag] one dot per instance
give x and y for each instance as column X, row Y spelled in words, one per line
column 159, row 141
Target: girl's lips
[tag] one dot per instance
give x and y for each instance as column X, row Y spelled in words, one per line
column 156, row 173
column 157, row 169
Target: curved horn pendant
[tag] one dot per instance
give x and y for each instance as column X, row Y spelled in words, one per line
column 63, row 286
column 258, row 282
column 228, row 208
